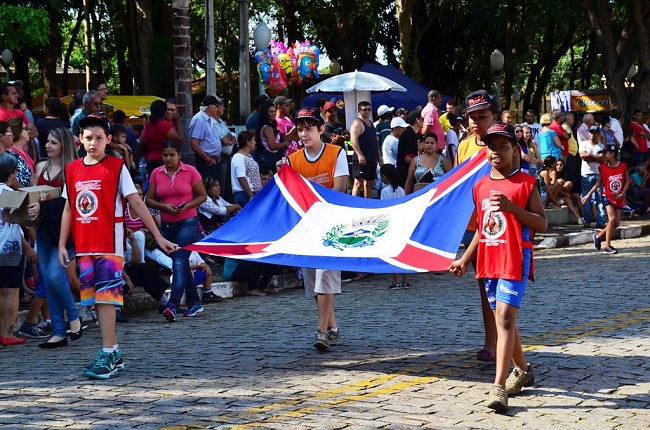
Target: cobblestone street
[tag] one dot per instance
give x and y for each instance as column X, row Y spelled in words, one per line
column 406, row 359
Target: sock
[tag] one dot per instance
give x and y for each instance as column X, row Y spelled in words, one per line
column 207, row 290
column 334, row 329
column 164, row 300
column 108, row 350
column 116, row 347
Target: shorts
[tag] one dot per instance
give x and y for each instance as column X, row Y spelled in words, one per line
column 368, row 171
column 101, row 279
column 510, row 292
column 607, row 201
column 12, row 276
column 321, row 281
column 199, row 276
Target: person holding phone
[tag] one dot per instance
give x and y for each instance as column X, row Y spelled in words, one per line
column 176, row 190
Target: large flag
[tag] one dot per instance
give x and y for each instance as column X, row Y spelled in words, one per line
column 295, row 222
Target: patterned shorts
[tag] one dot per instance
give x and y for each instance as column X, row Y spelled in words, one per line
column 101, row 279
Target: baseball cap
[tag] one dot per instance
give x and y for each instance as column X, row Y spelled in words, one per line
column 398, row 122
column 308, row 113
column 94, row 120
column 280, row 100
column 211, row 100
column 383, row 109
column 328, row 106
column 500, row 129
column 609, row 148
column 479, row 100
column 593, row 129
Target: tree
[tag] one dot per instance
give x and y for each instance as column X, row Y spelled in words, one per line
column 630, row 19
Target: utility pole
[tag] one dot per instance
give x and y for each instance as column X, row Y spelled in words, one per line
column 244, row 63
column 210, row 76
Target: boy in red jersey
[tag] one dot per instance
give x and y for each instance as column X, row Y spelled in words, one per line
column 615, row 180
column 509, row 209
column 97, row 185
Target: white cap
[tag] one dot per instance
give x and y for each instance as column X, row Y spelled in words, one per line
column 398, row 122
column 383, row 109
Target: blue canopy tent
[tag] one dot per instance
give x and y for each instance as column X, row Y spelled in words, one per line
column 415, row 95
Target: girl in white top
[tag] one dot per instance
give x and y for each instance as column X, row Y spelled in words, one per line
column 390, row 177
column 244, row 171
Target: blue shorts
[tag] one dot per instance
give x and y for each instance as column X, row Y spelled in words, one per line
column 199, row 276
column 606, row 202
column 508, row 291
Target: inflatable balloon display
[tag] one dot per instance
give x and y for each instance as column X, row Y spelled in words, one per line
column 279, row 66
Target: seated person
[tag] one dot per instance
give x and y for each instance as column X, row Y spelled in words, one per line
column 558, row 191
column 215, row 211
column 639, row 193
column 203, row 276
column 258, row 275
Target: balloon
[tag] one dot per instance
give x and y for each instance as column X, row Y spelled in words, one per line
column 263, row 56
column 264, row 70
column 307, row 65
column 277, row 83
column 284, row 60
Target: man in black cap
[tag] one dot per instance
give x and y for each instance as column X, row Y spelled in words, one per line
column 204, row 139
column 254, row 118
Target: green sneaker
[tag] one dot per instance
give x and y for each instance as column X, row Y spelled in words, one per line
column 103, row 367
column 518, row 380
column 119, row 362
column 498, row 399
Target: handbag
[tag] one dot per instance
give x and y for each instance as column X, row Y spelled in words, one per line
column 11, row 247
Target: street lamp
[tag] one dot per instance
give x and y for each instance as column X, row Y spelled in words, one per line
column 516, row 96
column 7, row 58
column 262, row 39
column 496, row 61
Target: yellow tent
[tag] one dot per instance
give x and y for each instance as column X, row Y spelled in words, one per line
column 131, row 105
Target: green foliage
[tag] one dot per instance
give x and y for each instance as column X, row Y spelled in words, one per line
column 23, row 27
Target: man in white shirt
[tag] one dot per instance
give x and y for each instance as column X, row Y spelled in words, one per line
column 535, row 127
column 389, row 148
column 591, row 159
column 616, row 125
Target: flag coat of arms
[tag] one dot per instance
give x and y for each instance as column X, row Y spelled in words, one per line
column 295, row 222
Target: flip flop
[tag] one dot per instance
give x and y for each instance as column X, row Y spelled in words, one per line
column 486, row 355
column 255, row 293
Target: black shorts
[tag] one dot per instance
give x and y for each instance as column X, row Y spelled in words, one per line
column 367, row 171
column 12, row 276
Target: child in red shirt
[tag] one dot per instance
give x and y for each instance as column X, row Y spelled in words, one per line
column 509, row 209
column 615, row 180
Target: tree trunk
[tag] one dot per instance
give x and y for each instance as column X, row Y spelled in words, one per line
column 409, row 39
column 183, row 67
column 140, row 43
column 68, row 52
column 99, row 50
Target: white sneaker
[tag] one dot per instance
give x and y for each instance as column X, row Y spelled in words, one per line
column 581, row 221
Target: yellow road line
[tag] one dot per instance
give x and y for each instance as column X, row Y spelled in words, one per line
column 601, row 325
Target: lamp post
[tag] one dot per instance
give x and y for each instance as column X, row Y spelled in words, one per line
column 7, row 58
column 244, row 63
column 496, row 61
column 516, row 96
column 262, row 38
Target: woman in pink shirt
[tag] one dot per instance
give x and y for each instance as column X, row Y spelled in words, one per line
column 157, row 130
column 176, row 190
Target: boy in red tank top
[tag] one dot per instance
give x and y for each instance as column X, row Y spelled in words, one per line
column 95, row 187
column 509, row 209
column 615, row 180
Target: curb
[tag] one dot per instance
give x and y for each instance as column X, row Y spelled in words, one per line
column 586, row 236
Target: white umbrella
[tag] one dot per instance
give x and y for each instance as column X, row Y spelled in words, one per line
column 356, row 86
column 356, row 81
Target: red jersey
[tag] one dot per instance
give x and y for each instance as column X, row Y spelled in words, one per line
column 502, row 237
column 613, row 182
column 92, row 191
column 640, row 140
